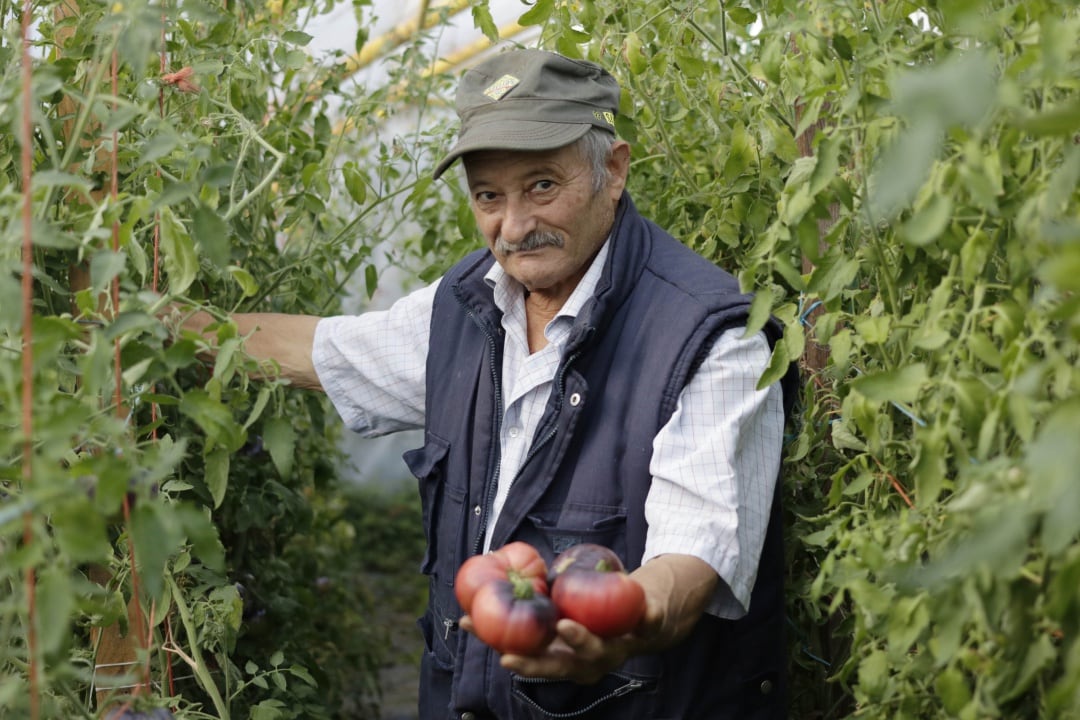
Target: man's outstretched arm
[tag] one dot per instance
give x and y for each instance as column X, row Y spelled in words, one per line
column 270, row 338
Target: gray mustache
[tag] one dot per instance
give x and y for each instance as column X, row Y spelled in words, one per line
column 533, row 241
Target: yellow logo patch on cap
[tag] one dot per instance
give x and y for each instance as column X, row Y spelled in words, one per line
column 500, row 87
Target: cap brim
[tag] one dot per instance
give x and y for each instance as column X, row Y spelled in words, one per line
column 521, row 135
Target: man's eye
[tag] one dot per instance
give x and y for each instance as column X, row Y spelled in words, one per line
column 543, row 186
column 485, row 196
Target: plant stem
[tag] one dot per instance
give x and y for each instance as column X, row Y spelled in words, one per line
column 253, row 134
column 750, row 81
column 199, row 667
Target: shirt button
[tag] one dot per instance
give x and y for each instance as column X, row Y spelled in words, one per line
column 514, row 432
column 766, row 687
column 575, row 400
column 477, row 510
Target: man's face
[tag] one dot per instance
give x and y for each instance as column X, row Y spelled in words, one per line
column 540, row 215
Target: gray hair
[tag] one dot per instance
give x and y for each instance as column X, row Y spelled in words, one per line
column 595, row 148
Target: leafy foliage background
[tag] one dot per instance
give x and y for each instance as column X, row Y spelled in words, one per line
column 897, row 181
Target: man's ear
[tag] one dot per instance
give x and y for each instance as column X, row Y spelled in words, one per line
column 618, row 167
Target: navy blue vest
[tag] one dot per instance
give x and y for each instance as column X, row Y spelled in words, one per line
column 652, row 320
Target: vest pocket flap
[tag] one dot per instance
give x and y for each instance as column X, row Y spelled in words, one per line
column 423, row 460
column 617, row 695
column 573, row 524
column 440, row 505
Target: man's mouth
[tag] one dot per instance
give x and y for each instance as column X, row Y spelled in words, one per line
column 533, row 241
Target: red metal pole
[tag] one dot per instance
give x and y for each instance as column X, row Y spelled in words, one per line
column 28, row 351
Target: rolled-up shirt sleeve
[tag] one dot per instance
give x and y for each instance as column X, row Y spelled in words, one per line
column 714, row 467
column 373, row 366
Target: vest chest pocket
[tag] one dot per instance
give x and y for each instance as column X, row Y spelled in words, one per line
column 573, row 524
column 442, row 505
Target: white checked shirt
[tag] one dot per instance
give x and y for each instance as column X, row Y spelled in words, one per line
column 714, row 463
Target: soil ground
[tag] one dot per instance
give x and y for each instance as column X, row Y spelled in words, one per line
column 400, row 676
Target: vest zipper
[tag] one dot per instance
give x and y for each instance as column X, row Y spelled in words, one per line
column 492, row 483
column 629, row 686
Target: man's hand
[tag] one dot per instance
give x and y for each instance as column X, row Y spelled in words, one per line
column 575, row 654
column 677, row 591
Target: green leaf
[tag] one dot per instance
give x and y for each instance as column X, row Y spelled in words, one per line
column 131, row 323
column 1052, row 461
column 355, row 183
column 203, row 536
column 260, row 404
column 267, row 709
column 45, row 234
column 827, row 165
column 873, row 673
column 959, row 90
column 760, row 310
column 280, row 438
column 779, row 362
column 156, row 536
column 80, row 531
column 952, row 687
column 742, row 16
column 104, row 266
column 371, row 280
column 903, row 168
column 213, row 234
column 295, row 59
column 1059, row 120
column 215, row 419
column 538, row 13
column 929, row 221
column 161, row 143
column 217, row 475
column 59, row 178
column 482, row 20
column 874, row 330
column 181, row 262
column 908, row 618
column 244, row 279
column 900, row 385
column 54, row 604
column 635, row 60
column 296, row 37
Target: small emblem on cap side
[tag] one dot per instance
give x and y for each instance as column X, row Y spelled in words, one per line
column 500, row 87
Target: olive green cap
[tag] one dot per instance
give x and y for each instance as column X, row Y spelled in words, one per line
column 531, row 100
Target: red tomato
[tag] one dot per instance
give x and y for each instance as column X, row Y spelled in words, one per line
column 590, row 586
column 517, row 559
column 511, row 617
column 585, row 556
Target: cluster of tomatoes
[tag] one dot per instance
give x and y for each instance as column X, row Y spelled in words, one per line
column 514, row 599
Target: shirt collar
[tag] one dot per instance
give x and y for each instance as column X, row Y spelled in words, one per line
column 508, row 290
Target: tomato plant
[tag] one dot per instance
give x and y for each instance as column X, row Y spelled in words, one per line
column 512, row 617
column 590, row 585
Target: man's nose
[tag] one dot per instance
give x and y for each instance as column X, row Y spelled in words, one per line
column 517, row 222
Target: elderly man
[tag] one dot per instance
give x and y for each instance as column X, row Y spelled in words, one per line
column 585, row 378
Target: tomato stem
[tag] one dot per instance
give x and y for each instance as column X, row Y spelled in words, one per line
column 523, row 587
